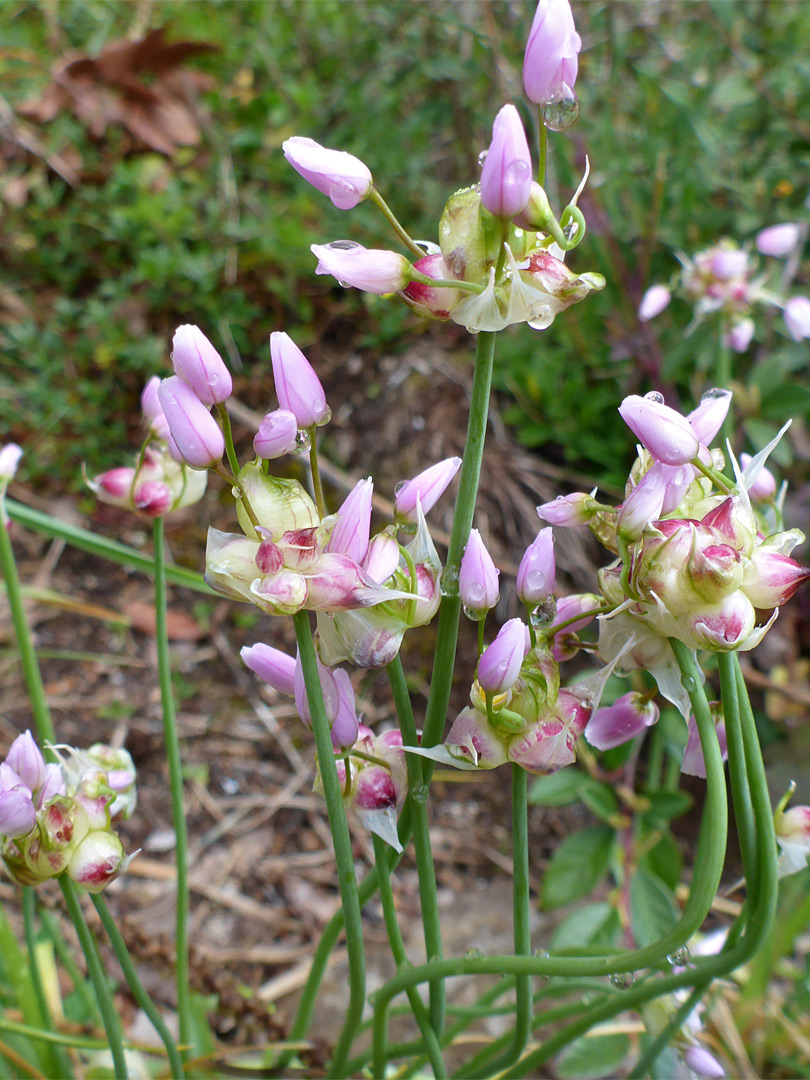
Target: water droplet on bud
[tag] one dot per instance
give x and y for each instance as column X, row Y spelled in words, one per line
column 482, row 157
column 428, row 247
column 472, row 614
column 714, row 393
column 343, row 245
column 623, row 980
column 344, row 284
column 302, row 442
column 560, row 114
column 655, row 397
column 542, row 954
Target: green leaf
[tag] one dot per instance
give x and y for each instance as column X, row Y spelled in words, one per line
column 590, row 1058
column 557, row 789
column 653, row 911
column 664, row 861
column 594, row 924
column 578, row 865
column 601, row 799
column 669, row 804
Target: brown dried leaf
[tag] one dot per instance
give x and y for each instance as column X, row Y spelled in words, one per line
column 109, row 90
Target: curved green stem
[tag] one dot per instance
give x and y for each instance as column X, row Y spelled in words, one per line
column 400, row 957
column 388, row 214
column 738, row 776
column 709, row 860
column 110, row 1018
column 136, row 986
column 450, row 611
column 417, row 797
column 340, row 839
column 173, row 758
column 28, row 656
column 317, row 483
column 227, row 432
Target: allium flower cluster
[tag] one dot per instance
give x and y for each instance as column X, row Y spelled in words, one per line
column 695, row 560
column 56, row 818
column 728, row 280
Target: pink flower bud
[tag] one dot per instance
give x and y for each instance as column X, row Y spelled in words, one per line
column 506, row 176
column 17, row 812
column 763, row 488
column 643, row 505
column 426, row 488
column 375, row 789
column 472, row 739
column 277, row 435
column 770, row 578
column 200, row 366
column 551, row 60
column 728, row 263
column 794, row 825
column 568, row 607
column 338, row 699
column 195, row 432
column 663, row 431
column 154, row 498
column 478, row 577
column 501, row 661
column 707, row 419
column 653, row 302
column 778, row 240
column 740, row 335
column 10, row 455
column 720, row 627
column 116, row 485
column 350, row 535
column 797, row 317
column 551, row 744
column 622, row 721
column 369, row 269
column 272, row 665
column 575, row 509
column 693, row 761
column 298, row 388
column 702, row 1063
column 537, row 572
column 25, row 758
column 152, row 410
column 341, row 176
column 429, row 302
column 53, row 783
column 382, row 557
column 97, row 860
column 537, row 214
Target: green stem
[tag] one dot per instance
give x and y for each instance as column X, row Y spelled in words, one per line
column 85, row 540
column 340, row 839
column 59, row 1061
column 723, row 374
column 227, row 432
column 388, row 213
column 317, row 484
column 136, row 986
column 712, row 474
column 400, row 957
column 542, row 148
column 417, row 798
column 450, row 611
column 520, row 901
column 709, row 860
column 28, row 656
column 172, row 741
column 738, row 776
column 109, row 1016
column 54, row 932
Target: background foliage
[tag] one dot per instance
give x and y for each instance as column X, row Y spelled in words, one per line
column 693, row 123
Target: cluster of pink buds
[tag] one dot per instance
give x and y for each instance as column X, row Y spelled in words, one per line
column 726, row 279
column 694, row 561
column 56, row 818
column 500, row 254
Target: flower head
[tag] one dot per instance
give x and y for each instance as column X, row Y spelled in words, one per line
column 552, row 53
column 506, row 176
column 478, row 578
column 298, row 388
column 341, row 176
column 200, row 366
column 374, row 271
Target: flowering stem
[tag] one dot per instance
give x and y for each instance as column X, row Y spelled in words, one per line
column 417, row 797
column 400, row 957
column 172, row 741
column 317, row 485
column 716, row 477
column 446, row 283
column 28, row 656
column 723, row 372
column 554, row 630
column 450, row 611
column 388, row 214
column 109, row 1016
column 738, row 777
column 542, row 148
column 230, row 450
column 136, row 986
column 340, row 839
